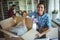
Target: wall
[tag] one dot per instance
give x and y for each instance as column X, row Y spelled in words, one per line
column 56, row 6
column 0, row 12
column 59, row 7
column 53, row 4
column 5, row 8
column 50, row 7
column 22, row 4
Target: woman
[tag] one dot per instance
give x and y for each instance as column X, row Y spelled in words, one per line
column 42, row 20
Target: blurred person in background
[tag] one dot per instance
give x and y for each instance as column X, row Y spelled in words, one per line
column 11, row 11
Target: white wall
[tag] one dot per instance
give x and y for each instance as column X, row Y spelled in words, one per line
column 56, row 6
column 50, row 7
column 59, row 7
column 53, row 4
column 22, row 4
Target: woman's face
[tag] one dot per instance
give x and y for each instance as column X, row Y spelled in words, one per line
column 40, row 9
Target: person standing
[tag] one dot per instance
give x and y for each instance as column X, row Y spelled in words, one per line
column 11, row 11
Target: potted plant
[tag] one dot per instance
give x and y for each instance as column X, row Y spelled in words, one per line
column 54, row 14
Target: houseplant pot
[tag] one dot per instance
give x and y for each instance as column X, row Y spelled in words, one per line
column 54, row 14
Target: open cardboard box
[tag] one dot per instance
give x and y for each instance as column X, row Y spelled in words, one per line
column 30, row 35
column 9, row 23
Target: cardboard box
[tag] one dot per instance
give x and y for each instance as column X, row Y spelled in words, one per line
column 53, row 33
column 8, row 24
column 18, row 19
column 29, row 23
column 30, row 35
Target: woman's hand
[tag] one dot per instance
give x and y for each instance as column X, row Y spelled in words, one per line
column 38, row 35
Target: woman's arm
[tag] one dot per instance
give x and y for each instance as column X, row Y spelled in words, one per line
column 41, row 34
column 49, row 26
column 44, row 32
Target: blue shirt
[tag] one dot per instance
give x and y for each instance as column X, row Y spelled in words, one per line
column 42, row 20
